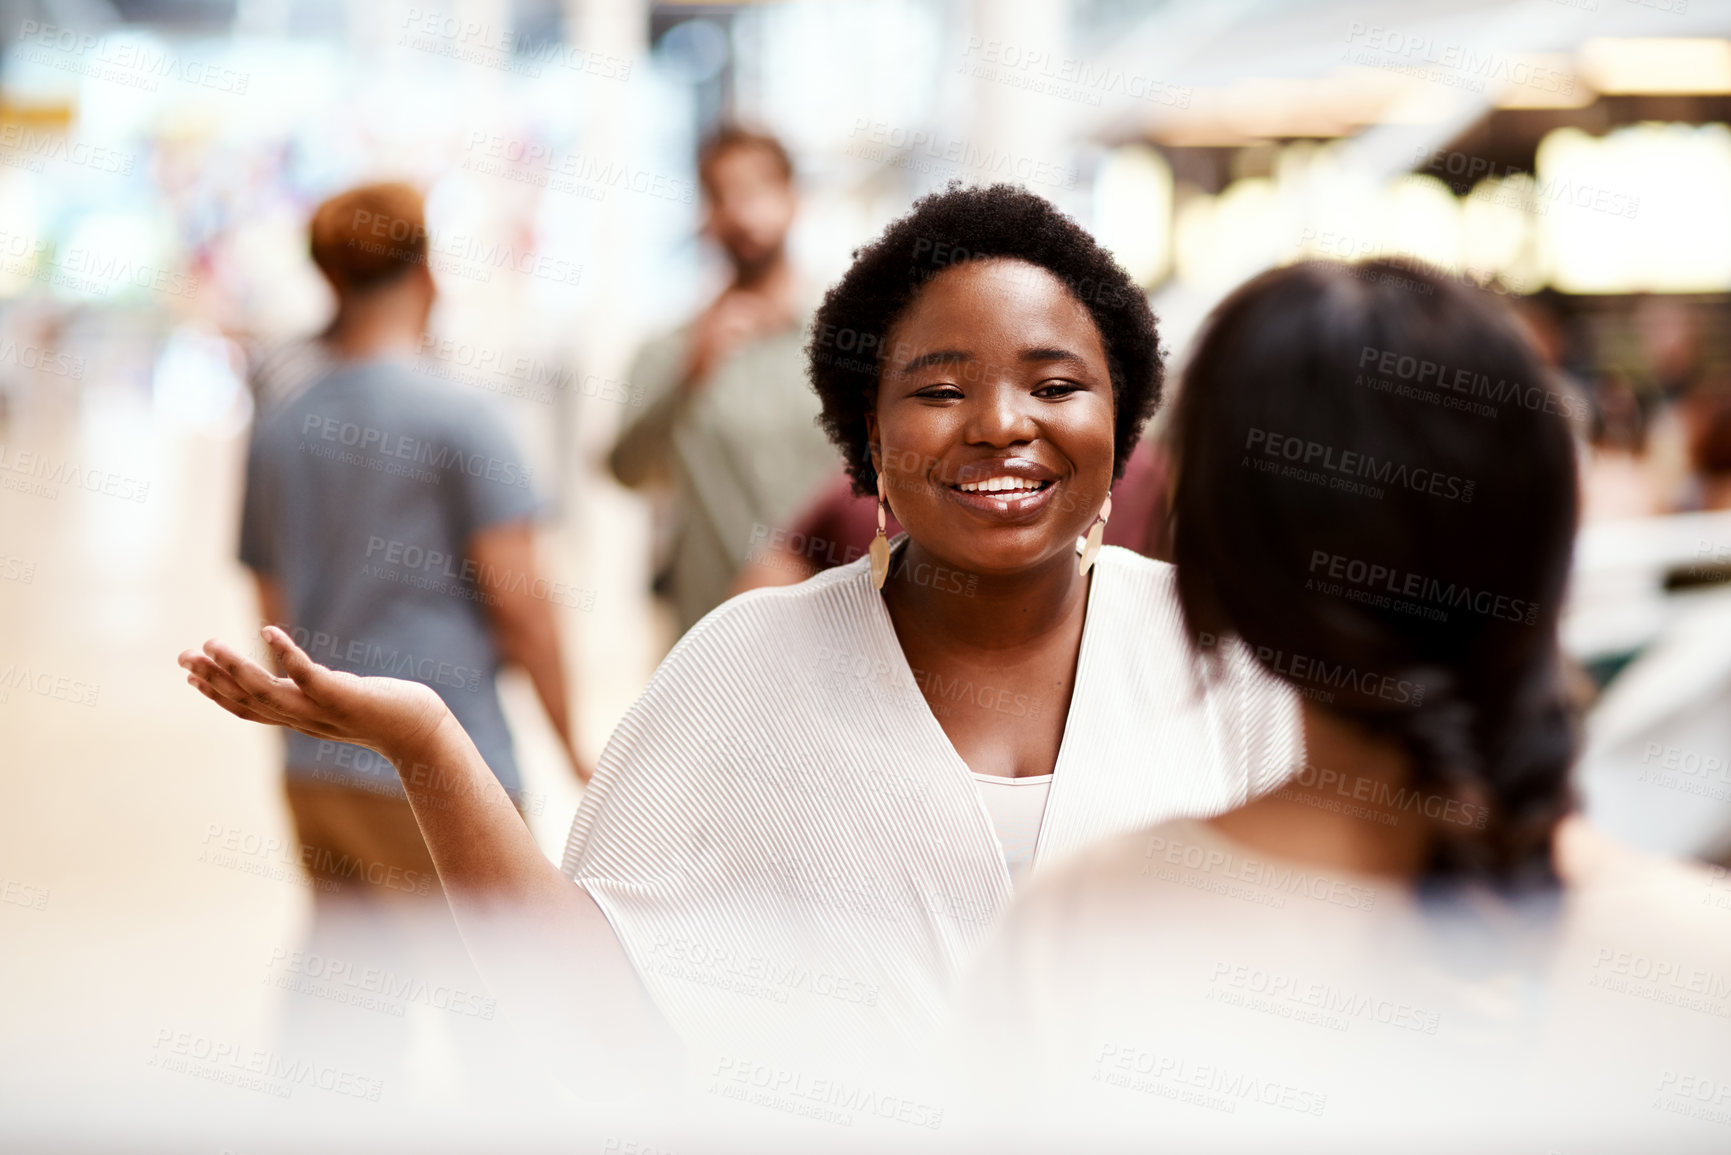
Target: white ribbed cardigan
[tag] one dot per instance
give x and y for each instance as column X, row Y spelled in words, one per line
column 782, row 835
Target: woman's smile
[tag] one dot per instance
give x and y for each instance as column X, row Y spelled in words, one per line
column 1005, row 488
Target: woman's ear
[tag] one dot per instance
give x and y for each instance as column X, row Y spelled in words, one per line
column 872, row 446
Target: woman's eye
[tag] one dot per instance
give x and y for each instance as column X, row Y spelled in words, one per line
column 1057, row 389
column 939, row 392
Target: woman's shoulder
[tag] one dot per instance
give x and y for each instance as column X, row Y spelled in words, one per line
column 1619, row 887
column 1148, row 880
column 1135, row 568
column 737, row 686
column 1138, row 589
column 792, row 605
column 778, row 624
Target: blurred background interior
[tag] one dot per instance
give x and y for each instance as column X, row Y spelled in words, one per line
column 159, row 160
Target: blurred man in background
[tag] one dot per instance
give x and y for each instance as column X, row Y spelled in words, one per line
column 388, row 520
column 730, row 424
column 1706, row 418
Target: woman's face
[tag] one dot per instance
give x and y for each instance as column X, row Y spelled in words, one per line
column 994, row 425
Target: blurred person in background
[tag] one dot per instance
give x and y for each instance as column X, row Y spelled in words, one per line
column 1411, row 937
column 1706, row 418
column 1670, row 344
column 388, row 519
column 1621, row 479
column 729, row 423
column 1661, row 358
column 1539, row 316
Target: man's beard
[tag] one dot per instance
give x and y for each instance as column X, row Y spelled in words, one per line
column 754, row 266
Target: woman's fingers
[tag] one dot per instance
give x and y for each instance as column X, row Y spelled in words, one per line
column 199, row 663
column 247, row 690
column 218, row 679
column 210, row 681
column 202, row 667
column 227, row 703
column 305, row 673
column 313, row 700
column 259, row 687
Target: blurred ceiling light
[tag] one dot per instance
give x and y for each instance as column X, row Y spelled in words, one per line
column 1423, row 100
column 1497, row 232
column 1200, row 131
column 1193, row 236
column 1550, row 82
column 1266, row 108
column 1337, row 206
column 1639, row 210
column 1317, row 207
column 1133, row 211
column 1320, row 107
column 1421, row 218
column 1220, row 241
column 1650, row 66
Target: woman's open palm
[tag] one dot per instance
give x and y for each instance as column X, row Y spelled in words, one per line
column 385, row 714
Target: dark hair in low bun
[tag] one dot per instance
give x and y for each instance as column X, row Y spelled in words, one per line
column 1509, row 754
column 1376, row 492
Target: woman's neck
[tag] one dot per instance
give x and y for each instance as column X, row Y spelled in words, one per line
column 936, row 601
column 1350, row 807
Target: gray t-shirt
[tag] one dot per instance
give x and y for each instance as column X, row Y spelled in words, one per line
column 362, row 494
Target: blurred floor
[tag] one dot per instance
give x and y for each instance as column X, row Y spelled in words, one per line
column 144, row 864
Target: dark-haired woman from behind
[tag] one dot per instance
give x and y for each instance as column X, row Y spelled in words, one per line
column 1411, row 945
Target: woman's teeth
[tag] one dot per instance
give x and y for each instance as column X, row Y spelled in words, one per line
column 1000, row 485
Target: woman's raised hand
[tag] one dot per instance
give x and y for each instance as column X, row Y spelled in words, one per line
column 389, row 715
column 532, row 932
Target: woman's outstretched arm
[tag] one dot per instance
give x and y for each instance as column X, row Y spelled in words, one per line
column 533, row 933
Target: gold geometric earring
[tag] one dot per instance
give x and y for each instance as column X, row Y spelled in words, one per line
column 880, row 544
column 1096, row 534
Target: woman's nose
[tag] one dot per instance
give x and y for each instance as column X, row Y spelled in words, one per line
column 999, row 414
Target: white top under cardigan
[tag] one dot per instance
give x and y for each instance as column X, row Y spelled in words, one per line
column 782, row 835
column 1016, row 807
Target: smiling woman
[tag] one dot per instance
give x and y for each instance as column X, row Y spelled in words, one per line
column 996, row 436
column 814, row 782
column 955, row 230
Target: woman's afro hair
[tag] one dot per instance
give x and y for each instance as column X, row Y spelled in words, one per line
column 849, row 333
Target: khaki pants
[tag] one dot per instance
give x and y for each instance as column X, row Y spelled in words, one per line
column 360, row 846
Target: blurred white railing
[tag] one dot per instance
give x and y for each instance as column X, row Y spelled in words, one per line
column 1618, row 601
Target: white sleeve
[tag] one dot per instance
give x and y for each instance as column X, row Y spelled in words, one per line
column 1270, row 721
